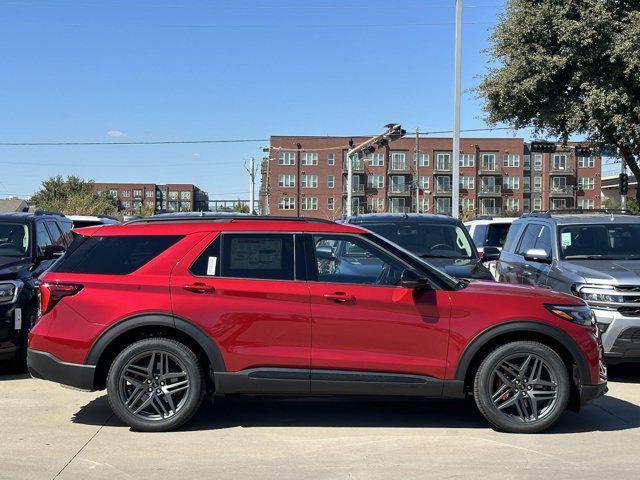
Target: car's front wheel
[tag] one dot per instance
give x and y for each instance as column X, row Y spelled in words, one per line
column 522, row 387
column 155, row 384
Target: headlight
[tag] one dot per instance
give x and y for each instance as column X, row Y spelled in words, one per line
column 601, row 297
column 8, row 292
column 580, row 314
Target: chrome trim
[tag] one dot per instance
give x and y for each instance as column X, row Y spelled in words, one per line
column 18, row 284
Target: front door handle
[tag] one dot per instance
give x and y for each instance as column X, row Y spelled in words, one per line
column 340, row 297
column 199, row 287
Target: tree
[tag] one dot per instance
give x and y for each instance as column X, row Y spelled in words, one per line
column 73, row 196
column 145, row 210
column 569, row 67
column 240, row 207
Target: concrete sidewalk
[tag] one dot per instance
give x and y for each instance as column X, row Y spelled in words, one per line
column 51, row 432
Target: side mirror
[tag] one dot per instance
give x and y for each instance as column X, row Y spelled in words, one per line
column 537, row 255
column 410, row 279
column 325, row 253
column 490, row 254
column 50, row 252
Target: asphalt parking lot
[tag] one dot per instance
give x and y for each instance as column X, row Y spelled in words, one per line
column 52, row 432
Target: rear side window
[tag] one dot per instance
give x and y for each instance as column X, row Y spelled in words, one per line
column 112, row 255
column 259, row 256
column 497, row 234
column 512, row 237
column 56, row 235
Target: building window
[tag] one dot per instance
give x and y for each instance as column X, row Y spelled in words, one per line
column 185, row 206
column 467, row 204
column 126, row 203
column 443, row 184
column 423, row 160
column 537, row 204
column 488, row 206
column 488, row 162
column 443, row 206
column 559, row 183
column 537, row 184
column 137, row 193
column 309, row 181
column 511, row 183
column 512, row 204
column 423, row 182
column 586, row 183
column 398, row 161
column 375, row 181
column 527, row 162
column 376, row 159
column 287, row 203
column 559, row 162
column 173, row 195
column 423, row 205
column 309, row 203
column 586, row 162
column 287, row 158
column 309, row 158
column 467, row 160
column 537, row 162
column 375, row 204
column 148, row 193
column 126, row 193
column 397, row 205
column 526, row 205
column 331, row 160
column 586, row 203
column 330, row 203
column 467, row 182
column 185, row 195
column 149, row 203
column 331, row 181
column 113, row 192
column 526, row 184
column 511, row 160
column 443, row 162
column 558, row 204
column 286, row 180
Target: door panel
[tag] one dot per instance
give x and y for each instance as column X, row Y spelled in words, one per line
column 254, row 322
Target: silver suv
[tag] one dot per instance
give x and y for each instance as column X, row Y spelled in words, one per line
column 593, row 254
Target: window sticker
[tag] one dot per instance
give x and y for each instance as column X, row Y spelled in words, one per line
column 256, row 253
column 211, row 265
column 565, row 239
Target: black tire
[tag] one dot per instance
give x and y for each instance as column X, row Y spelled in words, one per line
column 118, row 387
column 528, row 403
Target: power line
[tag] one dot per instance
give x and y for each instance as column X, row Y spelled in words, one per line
column 161, row 142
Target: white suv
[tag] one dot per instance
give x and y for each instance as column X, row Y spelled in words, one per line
column 489, row 232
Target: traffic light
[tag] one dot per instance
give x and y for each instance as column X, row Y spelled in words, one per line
column 583, row 152
column 396, row 132
column 624, row 184
column 543, row 147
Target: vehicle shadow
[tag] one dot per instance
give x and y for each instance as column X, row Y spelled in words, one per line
column 10, row 373
column 624, row 373
column 606, row 414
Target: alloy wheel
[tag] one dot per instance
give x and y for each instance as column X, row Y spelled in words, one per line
column 154, row 385
column 524, row 387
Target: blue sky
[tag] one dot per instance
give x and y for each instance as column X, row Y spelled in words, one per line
column 74, row 70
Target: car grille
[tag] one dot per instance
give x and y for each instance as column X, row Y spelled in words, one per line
column 629, row 294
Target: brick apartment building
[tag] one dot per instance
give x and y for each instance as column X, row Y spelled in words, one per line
column 172, row 197
column 498, row 176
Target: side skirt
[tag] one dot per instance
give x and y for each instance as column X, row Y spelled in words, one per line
column 333, row 382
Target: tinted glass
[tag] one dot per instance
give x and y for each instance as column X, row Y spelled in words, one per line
column 113, row 255
column 479, row 234
column 427, row 240
column 42, row 236
column 544, row 240
column 258, row 256
column 512, row 237
column 347, row 259
column 529, row 238
column 56, row 235
column 14, row 240
column 600, row 241
column 208, row 263
column 497, row 234
column 66, row 231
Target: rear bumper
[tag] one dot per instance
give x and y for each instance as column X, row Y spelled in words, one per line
column 588, row 393
column 48, row 367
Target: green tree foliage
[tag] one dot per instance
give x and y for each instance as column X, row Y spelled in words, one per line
column 569, row 67
column 240, row 207
column 73, row 196
column 145, row 210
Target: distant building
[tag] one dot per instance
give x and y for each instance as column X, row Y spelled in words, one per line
column 611, row 189
column 172, row 197
column 306, row 176
column 13, row 205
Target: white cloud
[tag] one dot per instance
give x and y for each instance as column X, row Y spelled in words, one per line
column 116, row 133
column 196, row 155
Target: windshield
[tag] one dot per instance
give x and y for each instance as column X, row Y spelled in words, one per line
column 427, row 240
column 600, row 241
column 497, row 234
column 14, row 240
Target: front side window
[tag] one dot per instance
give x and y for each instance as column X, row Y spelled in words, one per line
column 535, row 236
column 14, row 240
column 55, row 233
column 258, row 256
column 353, row 260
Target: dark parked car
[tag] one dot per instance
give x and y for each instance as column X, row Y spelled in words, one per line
column 441, row 240
column 29, row 244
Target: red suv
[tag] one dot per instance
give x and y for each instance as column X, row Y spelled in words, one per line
column 164, row 311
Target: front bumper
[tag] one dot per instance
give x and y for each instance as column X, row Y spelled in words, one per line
column 618, row 340
column 48, row 367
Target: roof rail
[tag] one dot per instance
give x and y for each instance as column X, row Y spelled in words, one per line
column 222, row 218
column 482, row 217
column 581, row 211
column 47, row 212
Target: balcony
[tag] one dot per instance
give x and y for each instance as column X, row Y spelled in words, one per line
column 490, row 210
column 358, row 166
column 399, row 209
column 562, row 170
column 566, row 191
column 399, row 167
column 442, row 168
column 489, row 169
column 356, row 189
column 490, row 190
column 400, row 190
column 443, row 190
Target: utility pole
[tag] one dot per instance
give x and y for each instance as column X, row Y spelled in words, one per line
column 298, row 161
column 417, row 149
column 455, row 180
column 624, row 184
column 267, row 208
column 252, row 180
column 393, row 132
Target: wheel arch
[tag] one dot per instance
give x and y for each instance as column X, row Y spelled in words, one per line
column 125, row 331
column 550, row 335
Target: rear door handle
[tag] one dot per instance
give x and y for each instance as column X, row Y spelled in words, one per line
column 199, row 287
column 340, row 297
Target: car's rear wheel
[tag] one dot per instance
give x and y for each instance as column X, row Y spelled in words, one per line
column 522, row 387
column 155, row 384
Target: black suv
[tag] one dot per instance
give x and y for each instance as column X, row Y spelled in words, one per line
column 440, row 240
column 29, row 244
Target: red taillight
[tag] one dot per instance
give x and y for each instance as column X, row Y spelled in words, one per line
column 52, row 293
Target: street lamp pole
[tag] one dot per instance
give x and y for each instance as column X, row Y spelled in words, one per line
column 455, row 162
